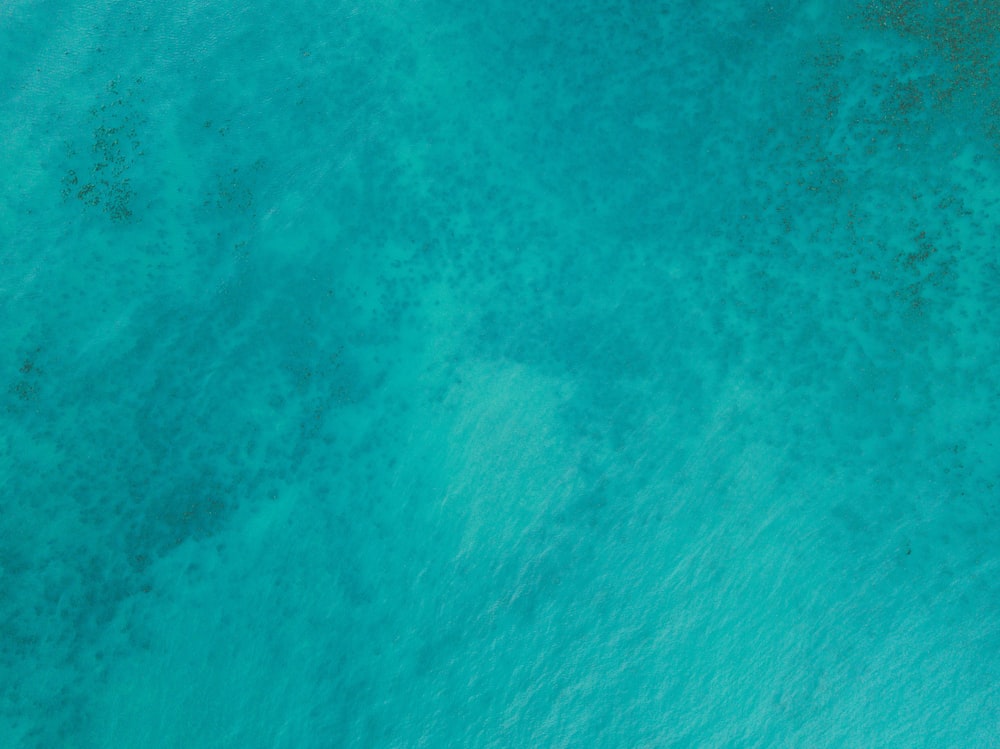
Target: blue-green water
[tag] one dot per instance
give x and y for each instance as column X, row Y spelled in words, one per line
column 495, row 374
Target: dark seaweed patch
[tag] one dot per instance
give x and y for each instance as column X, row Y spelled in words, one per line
column 101, row 179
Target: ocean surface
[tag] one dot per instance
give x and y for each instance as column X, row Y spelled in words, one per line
column 422, row 373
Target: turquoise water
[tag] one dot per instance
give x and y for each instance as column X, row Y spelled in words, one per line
column 494, row 374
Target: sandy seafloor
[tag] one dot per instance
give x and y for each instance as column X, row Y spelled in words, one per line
column 498, row 374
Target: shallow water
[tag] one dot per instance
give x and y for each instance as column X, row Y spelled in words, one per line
column 431, row 374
